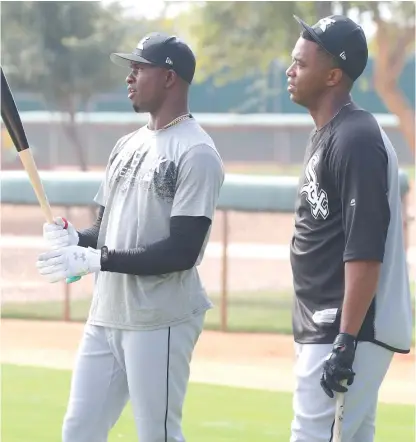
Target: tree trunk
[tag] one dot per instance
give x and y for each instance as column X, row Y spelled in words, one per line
column 396, row 104
column 390, row 57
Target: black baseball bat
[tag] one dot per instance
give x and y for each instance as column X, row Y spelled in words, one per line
column 13, row 123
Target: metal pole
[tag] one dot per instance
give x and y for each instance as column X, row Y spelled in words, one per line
column 224, row 281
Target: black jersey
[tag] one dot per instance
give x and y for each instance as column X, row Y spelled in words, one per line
column 349, row 208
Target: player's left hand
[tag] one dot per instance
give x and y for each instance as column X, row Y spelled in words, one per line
column 60, row 233
column 338, row 365
column 66, row 262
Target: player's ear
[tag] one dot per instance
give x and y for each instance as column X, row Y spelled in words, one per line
column 334, row 77
column 171, row 77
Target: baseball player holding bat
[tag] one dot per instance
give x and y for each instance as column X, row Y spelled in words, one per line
column 157, row 202
column 352, row 309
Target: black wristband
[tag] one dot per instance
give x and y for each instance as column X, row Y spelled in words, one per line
column 344, row 339
column 104, row 258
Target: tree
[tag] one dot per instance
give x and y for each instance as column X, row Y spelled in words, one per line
column 235, row 39
column 394, row 40
column 61, row 50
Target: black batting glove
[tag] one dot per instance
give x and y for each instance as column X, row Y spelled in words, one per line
column 338, row 365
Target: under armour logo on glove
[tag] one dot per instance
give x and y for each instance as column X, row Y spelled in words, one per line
column 77, row 256
column 338, row 365
column 67, row 262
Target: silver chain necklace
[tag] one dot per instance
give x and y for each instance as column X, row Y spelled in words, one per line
column 326, row 124
column 177, row 120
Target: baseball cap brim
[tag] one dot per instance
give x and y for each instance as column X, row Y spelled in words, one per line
column 125, row 60
column 311, row 32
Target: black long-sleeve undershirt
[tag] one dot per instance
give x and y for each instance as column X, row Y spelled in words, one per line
column 89, row 237
column 176, row 253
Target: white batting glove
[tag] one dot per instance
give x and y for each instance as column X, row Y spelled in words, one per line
column 69, row 261
column 60, row 233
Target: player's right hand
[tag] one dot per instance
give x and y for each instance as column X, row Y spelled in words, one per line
column 338, row 365
column 60, row 233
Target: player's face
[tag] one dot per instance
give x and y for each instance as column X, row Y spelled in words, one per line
column 146, row 87
column 307, row 74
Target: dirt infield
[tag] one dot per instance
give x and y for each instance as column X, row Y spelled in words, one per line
column 263, row 361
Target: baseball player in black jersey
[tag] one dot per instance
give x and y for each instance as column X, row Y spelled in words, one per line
column 352, row 309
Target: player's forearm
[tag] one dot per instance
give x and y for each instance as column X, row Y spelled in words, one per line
column 361, row 279
column 157, row 259
column 89, row 237
column 176, row 253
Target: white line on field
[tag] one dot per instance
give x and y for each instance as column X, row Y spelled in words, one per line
column 278, row 252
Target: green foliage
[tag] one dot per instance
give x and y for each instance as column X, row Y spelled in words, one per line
column 47, row 44
column 61, row 49
column 400, row 13
column 237, row 39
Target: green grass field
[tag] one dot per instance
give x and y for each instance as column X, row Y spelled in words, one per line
column 262, row 311
column 251, row 311
column 34, row 401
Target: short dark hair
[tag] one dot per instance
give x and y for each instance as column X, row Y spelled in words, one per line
column 334, row 63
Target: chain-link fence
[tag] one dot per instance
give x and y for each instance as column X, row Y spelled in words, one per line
column 251, row 289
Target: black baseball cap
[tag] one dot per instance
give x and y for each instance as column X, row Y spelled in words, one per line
column 163, row 50
column 342, row 38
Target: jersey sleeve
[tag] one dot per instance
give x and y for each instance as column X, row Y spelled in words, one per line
column 360, row 166
column 199, row 181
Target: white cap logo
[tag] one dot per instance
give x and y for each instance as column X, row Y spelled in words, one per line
column 325, row 23
column 142, row 42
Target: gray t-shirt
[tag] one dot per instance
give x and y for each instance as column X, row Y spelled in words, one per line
column 152, row 176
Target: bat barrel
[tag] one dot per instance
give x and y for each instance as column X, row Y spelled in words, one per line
column 10, row 116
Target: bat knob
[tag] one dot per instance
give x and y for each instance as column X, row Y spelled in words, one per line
column 65, row 223
column 72, row 279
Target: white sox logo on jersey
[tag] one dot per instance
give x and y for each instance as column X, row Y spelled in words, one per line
column 317, row 198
